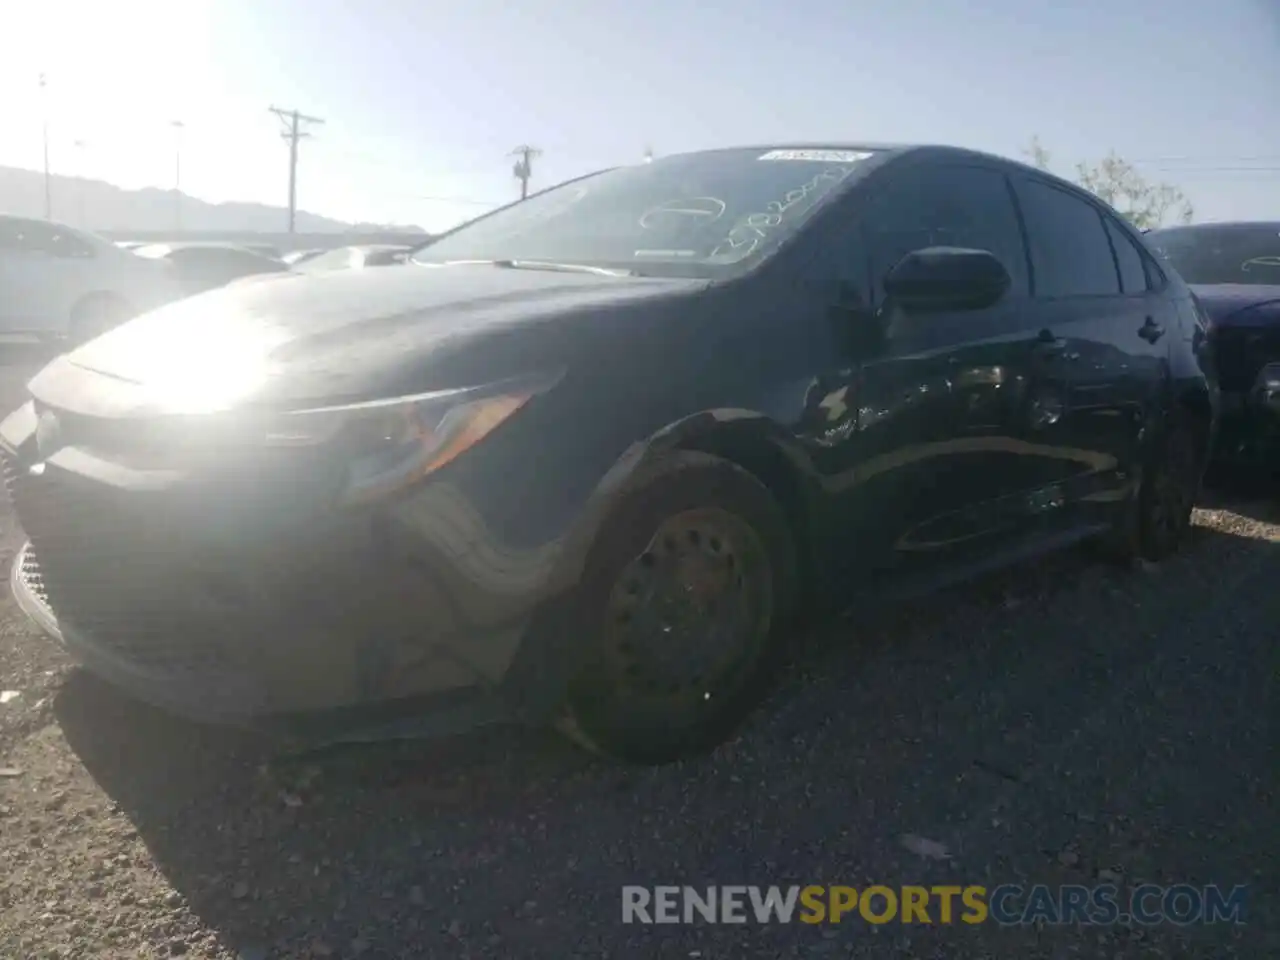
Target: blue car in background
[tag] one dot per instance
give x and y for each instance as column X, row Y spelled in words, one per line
column 1234, row 271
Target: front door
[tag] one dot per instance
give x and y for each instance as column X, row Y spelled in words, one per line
column 948, row 433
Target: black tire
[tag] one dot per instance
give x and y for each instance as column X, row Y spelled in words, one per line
column 1158, row 521
column 693, row 521
column 95, row 315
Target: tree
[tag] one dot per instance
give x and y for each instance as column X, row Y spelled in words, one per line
column 1118, row 183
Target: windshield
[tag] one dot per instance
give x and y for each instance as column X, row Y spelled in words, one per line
column 1235, row 254
column 691, row 214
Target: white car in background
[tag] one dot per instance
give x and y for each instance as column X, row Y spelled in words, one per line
column 60, row 283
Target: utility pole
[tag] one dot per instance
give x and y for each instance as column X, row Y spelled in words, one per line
column 523, row 169
column 178, row 127
column 292, row 133
column 44, row 107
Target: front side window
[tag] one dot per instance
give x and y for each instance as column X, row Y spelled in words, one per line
column 1070, row 253
column 945, row 206
column 697, row 214
column 67, row 246
column 1245, row 254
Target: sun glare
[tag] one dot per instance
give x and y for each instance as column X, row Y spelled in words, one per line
column 191, row 357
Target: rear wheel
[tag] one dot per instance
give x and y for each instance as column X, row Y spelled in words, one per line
column 688, row 593
column 1159, row 520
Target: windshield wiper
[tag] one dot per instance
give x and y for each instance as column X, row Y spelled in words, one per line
column 542, row 265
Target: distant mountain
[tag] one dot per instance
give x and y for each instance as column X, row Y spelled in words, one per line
column 103, row 206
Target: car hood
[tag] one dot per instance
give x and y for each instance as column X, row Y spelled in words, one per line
column 1235, row 303
column 347, row 335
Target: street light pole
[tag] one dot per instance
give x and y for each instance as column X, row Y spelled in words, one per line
column 80, row 187
column 178, row 127
column 44, row 109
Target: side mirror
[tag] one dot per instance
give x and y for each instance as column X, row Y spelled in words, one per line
column 947, row 278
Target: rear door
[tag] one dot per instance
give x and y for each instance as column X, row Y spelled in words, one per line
column 946, row 435
column 1095, row 290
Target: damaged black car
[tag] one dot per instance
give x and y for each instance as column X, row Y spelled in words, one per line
column 584, row 459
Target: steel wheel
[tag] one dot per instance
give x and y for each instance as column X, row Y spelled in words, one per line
column 688, row 591
column 689, row 612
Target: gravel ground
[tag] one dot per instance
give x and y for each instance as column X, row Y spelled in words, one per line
column 1044, row 725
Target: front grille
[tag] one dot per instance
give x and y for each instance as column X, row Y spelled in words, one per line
column 1241, row 352
column 106, row 565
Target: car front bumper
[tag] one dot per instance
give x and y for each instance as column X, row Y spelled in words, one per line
column 182, row 687
column 332, row 625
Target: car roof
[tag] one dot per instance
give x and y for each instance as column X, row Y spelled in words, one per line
column 56, row 224
column 890, row 151
column 869, row 146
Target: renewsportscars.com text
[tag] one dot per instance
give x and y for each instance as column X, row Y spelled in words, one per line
column 1006, row 905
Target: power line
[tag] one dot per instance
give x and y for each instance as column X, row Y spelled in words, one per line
column 1259, row 158
column 372, row 160
column 292, row 133
column 1254, row 169
column 462, row 201
column 523, row 169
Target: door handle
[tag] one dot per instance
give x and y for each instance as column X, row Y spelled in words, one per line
column 1048, row 343
column 1151, row 331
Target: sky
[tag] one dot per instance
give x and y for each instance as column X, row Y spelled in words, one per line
column 423, row 100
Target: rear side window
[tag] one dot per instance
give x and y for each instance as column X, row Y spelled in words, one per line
column 943, row 205
column 66, row 245
column 1070, row 253
column 1133, row 270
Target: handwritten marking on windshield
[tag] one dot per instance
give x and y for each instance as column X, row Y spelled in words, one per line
column 710, row 208
column 745, row 236
column 1259, row 262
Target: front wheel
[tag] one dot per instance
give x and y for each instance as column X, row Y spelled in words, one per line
column 687, row 596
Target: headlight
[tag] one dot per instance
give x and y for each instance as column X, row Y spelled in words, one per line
column 391, row 444
column 1269, row 379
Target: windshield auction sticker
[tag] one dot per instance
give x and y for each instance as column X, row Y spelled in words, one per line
column 818, row 156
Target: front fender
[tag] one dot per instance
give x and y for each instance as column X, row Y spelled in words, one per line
column 747, row 437
column 554, row 643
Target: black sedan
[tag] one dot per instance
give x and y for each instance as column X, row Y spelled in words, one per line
column 1234, row 270
column 584, row 459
